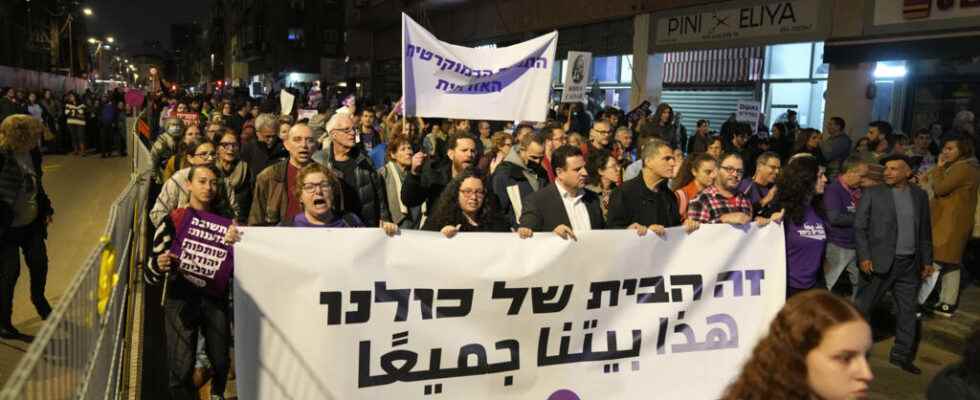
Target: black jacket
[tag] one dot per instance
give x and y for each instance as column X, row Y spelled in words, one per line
column 11, row 180
column 8, row 108
column 258, row 156
column 427, row 186
column 955, row 383
column 635, row 203
column 876, row 227
column 368, row 184
column 493, row 222
column 544, row 210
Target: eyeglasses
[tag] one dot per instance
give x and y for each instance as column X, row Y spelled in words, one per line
column 312, row 187
column 205, row 156
column 472, row 192
column 733, row 170
column 230, row 145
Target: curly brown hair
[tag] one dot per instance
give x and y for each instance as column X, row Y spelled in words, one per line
column 20, row 133
column 777, row 369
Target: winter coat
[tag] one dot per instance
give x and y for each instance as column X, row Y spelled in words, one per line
column 955, row 201
column 163, row 148
column 269, row 198
column 513, row 181
column 368, row 184
column 11, row 183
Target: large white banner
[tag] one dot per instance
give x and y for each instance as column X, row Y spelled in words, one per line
column 352, row 314
column 448, row 81
column 577, row 73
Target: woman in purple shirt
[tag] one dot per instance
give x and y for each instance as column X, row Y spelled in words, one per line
column 800, row 193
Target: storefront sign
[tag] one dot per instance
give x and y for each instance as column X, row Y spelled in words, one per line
column 576, row 77
column 731, row 22
column 887, row 12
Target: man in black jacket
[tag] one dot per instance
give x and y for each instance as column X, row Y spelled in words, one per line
column 563, row 207
column 263, row 151
column 646, row 202
column 519, row 175
column 362, row 187
column 428, row 178
column 9, row 105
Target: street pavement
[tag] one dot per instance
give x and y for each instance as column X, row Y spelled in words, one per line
column 81, row 190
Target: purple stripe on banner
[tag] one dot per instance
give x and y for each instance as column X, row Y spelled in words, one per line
column 409, row 76
column 511, row 75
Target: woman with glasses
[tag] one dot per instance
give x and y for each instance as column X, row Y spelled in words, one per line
column 461, row 208
column 174, row 193
column 234, row 170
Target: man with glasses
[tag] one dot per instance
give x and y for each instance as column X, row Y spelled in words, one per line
column 722, row 203
column 519, row 175
column 760, row 190
column 841, row 199
column 363, row 190
column 554, row 138
column 272, row 202
column 598, row 137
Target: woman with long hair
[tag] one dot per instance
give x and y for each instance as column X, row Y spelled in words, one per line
column 808, row 141
column 501, row 145
column 954, row 184
column 782, row 144
column 76, row 113
column 461, row 208
column 605, row 173
column 800, row 197
column 816, row 349
column 695, row 175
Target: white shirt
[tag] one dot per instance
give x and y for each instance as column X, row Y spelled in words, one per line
column 578, row 213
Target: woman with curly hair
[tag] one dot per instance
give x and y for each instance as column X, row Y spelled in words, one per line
column 816, row 349
column 800, row 197
column 461, row 208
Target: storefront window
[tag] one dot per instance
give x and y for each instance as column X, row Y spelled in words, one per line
column 626, row 69
column 605, row 69
column 556, row 73
column 820, row 69
column 789, row 61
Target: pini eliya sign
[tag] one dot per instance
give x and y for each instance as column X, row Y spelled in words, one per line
column 730, row 22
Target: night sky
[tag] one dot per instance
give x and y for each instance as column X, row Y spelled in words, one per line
column 132, row 22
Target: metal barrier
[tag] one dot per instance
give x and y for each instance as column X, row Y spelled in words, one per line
column 80, row 351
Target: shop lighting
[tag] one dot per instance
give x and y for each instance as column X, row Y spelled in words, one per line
column 883, row 70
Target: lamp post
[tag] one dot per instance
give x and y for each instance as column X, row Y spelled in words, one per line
column 69, row 17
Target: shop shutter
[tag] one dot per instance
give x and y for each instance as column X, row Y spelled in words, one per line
column 714, row 106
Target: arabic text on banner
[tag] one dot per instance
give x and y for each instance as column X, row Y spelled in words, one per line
column 442, row 80
column 352, row 314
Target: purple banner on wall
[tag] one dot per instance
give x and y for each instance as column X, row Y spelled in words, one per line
column 205, row 260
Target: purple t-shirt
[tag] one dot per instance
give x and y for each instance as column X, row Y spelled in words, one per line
column 752, row 191
column 300, row 221
column 805, row 245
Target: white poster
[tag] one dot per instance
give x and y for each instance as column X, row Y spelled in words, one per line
column 443, row 80
column 577, row 73
column 286, row 100
column 732, row 21
column 352, row 314
column 748, row 112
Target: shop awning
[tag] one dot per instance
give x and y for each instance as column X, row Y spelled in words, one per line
column 931, row 46
column 713, row 67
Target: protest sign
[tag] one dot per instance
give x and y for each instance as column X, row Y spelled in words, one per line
column 189, row 118
column 353, row 314
column 205, row 260
column 748, row 112
column 304, row 113
column 286, row 101
column 577, row 72
column 442, row 80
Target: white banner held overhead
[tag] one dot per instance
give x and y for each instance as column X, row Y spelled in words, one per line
column 576, row 84
column 351, row 314
column 443, row 80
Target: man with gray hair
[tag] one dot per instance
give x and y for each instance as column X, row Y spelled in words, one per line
column 266, row 148
column 646, row 202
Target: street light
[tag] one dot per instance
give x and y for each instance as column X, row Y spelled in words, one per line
column 92, row 40
column 110, row 39
column 87, row 11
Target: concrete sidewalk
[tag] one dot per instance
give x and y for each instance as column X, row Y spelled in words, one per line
column 942, row 343
column 81, row 192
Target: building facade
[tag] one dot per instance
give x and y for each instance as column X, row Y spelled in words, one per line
column 44, row 35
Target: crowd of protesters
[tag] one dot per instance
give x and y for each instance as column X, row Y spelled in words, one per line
column 886, row 210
